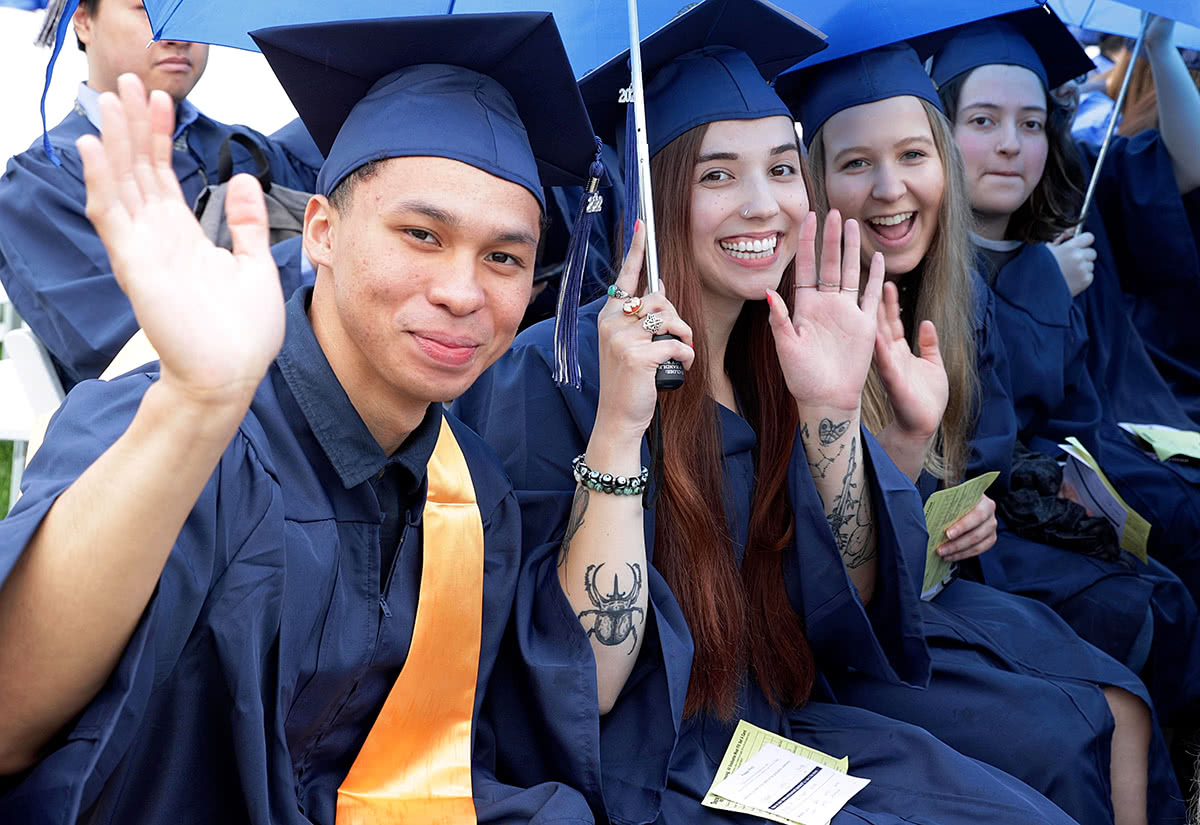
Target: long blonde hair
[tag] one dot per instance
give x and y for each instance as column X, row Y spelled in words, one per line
column 945, row 295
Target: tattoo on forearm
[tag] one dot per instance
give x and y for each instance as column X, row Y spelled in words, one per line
column 822, row 464
column 614, row 616
column 830, row 432
column 579, row 506
column 850, row 518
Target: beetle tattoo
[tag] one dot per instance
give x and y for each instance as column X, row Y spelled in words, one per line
column 615, row 612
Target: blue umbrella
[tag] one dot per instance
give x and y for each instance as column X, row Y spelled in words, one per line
column 1119, row 18
column 854, row 26
column 24, row 5
column 228, row 23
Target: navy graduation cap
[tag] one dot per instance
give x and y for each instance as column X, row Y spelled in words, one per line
column 711, row 63
column 492, row 90
column 1034, row 38
column 819, row 92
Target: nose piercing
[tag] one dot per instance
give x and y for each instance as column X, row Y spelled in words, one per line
column 746, row 212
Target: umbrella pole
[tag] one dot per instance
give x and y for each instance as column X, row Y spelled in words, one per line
column 646, row 199
column 1112, row 125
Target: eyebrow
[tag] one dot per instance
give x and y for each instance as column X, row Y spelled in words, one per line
column 778, row 150
column 447, row 218
column 997, row 106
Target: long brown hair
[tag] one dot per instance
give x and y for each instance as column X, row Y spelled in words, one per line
column 1140, row 110
column 737, row 618
column 944, row 295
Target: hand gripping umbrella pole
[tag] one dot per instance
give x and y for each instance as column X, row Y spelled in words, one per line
column 1112, row 123
column 670, row 373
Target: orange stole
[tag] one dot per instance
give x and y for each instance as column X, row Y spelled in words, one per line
column 415, row 765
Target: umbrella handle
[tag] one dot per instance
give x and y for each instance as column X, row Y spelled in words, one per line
column 1112, row 125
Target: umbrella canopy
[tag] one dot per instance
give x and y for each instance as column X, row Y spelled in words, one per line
column 1124, row 19
column 226, row 23
column 25, row 5
column 853, row 26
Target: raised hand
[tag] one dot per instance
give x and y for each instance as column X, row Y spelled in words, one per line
column 825, row 346
column 628, row 356
column 1076, row 258
column 216, row 318
column 916, row 384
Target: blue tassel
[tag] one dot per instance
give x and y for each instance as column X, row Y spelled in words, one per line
column 632, row 188
column 566, row 319
column 66, row 11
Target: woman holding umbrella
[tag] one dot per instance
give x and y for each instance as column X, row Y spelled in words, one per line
column 776, row 510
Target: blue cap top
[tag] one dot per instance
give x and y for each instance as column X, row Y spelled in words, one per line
column 820, row 92
column 1034, row 39
column 711, row 63
column 491, row 90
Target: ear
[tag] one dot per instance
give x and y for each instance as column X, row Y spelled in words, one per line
column 82, row 21
column 320, row 229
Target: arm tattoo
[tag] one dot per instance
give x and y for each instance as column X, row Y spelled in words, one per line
column 615, row 612
column 578, row 507
column 830, row 432
column 850, row 519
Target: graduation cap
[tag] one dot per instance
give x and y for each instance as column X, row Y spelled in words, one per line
column 713, row 62
column 1035, row 39
column 494, row 91
column 491, row 90
column 821, row 91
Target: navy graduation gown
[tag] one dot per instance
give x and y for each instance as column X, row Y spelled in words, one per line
column 275, row 633
column 52, row 263
column 1052, row 389
column 1151, row 229
column 655, row 765
column 1129, row 612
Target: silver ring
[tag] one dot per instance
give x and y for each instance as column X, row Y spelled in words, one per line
column 615, row 291
column 828, row 285
column 849, row 289
column 653, row 323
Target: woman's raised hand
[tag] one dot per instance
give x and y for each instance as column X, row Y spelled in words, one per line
column 629, row 358
column 916, row 384
column 825, row 346
column 1076, row 259
column 216, row 318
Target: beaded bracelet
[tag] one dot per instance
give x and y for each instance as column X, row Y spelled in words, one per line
column 608, row 483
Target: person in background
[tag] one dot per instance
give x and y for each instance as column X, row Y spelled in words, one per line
column 52, row 264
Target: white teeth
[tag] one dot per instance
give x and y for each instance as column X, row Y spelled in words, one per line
column 752, row 249
column 893, row 220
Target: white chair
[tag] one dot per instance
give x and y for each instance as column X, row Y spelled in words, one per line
column 31, row 392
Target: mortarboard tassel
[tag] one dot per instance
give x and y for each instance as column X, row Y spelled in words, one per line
column 566, row 318
column 58, row 17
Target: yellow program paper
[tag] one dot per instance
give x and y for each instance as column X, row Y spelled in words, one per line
column 1167, row 442
column 747, row 741
column 1133, row 529
column 942, row 509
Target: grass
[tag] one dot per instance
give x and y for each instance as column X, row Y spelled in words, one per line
column 5, row 473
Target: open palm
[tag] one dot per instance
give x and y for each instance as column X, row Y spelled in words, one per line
column 916, row 383
column 215, row 317
column 825, row 346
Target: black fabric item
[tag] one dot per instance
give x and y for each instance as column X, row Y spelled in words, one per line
column 1033, row 510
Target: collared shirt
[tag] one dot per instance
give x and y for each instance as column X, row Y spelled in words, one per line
column 88, row 101
column 398, row 479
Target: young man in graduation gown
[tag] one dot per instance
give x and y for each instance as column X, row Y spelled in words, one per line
column 265, row 580
column 52, row 264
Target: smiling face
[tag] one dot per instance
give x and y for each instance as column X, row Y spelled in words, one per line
column 115, row 37
column 422, row 278
column 748, row 200
column 1001, row 129
column 883, row 169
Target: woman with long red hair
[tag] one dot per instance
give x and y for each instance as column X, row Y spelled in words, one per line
column 661, row 627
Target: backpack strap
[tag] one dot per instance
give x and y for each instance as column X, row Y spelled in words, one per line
column 225, row 159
